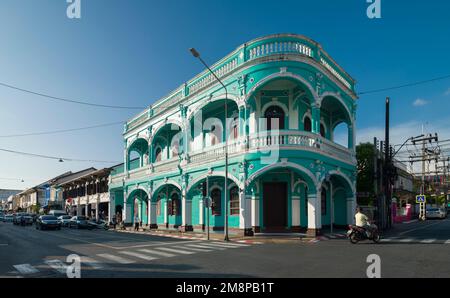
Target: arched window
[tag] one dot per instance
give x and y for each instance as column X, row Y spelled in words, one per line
column 175, row 205
column 234, row 201
column 235, row 129
column 307, row 124
column 158, row 154
column 322, row 130
column 216, row 196
column 324, row 201
column 276, row 114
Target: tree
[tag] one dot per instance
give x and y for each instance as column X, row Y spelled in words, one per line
column 365, row 153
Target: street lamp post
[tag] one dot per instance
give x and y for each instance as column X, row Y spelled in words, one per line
column 197, row 55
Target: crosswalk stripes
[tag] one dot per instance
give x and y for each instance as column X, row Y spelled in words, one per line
column 116, row 259
column 180, row 251
column 229, row 244
column 92, row 263
column 207, row 247
column 57, row 265
column 158, row 253
column 139, row 255
column 198, row 248
column 105, row 260
column 25, row 269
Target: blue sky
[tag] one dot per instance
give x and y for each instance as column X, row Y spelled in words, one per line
column 133, row 52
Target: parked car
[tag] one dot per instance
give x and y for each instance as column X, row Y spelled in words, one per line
column 17, row 217
column 23, row 219
column 2, row 217
column 79, row 222
column 45, row 222
column 100, row 224
column 57, row 213
column 64, row 220
column 436, row 213
column 9, row 218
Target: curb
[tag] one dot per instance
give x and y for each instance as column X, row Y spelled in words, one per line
column 185, row 236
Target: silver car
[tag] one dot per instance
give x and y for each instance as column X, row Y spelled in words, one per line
column 64, row 220
column 436, row 213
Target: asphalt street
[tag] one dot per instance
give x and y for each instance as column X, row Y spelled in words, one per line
column 417, row 249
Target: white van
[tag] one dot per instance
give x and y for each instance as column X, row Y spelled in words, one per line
column 57, row 213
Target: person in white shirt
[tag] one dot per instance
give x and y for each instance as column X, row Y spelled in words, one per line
column 362, row 221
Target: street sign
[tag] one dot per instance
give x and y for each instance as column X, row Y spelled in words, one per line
column 421, row 199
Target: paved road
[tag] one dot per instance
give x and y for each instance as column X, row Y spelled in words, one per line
column 410, row 250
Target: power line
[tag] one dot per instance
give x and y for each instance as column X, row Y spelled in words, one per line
column 60, row 159
column 60, row 131
column 69, row 100
column 405, row 85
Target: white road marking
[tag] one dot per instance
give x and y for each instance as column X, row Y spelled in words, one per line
column 57, row 265
column 158, row 253
column 421, row 228
column 406, row 240
column 197, row 249
column 92, row 263
column 215, row 245
column 230, row 244
column 178, row 251
column 116, row 259
column 428, row 241
column 447, row 242
column 388, row 239
column 203, row 246
column 139, row 255
column 26, row 269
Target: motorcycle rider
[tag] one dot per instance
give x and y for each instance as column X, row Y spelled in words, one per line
column 362, row 221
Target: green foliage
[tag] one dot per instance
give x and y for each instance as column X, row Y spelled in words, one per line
column 365, row 153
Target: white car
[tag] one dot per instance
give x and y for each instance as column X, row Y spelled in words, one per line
column 9, row 218
column 436, row 213
column 64, row 220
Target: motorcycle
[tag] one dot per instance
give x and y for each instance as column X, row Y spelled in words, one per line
column 101, row 224
column 356, row 234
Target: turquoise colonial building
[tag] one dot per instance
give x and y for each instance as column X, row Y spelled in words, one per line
column 286, row 96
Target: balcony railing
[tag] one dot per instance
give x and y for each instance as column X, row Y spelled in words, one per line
column 274, row 45
column 263, row 142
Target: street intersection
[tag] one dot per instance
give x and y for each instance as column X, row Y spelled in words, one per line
column 416, row 249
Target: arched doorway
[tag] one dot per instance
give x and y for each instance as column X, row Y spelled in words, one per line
column 275, row 118
column 275, row 206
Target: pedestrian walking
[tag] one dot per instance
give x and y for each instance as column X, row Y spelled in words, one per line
column 114, row 221
column 136, row 223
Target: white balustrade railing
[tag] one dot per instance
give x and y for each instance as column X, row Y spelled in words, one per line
column 263, row 141
column 286, row 47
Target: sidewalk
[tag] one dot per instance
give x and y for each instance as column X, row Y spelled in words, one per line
column 259, row 238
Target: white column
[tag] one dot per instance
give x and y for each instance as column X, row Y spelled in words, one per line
column 200, row 212
column 351, row 208
column 245, row 215
column 97, row 204
column 166, row 216
column 186, row 211
column 295, row 210
column 111, row 207
column 255, row 211
column 139, row 206
column 78, row 206
column 314, row 211
column 152, row 214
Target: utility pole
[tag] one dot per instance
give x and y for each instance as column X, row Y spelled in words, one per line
column 424, row 157
column 387, row 180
